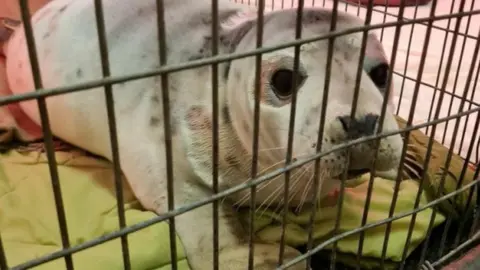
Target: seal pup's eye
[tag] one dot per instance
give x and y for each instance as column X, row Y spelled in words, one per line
column 379, row 75
column 282, row 82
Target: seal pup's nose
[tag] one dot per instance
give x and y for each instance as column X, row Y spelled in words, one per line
column 359, row 127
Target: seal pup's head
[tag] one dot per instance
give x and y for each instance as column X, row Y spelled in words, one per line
column 236, row 113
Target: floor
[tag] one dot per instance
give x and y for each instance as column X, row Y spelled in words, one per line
column 408, row 60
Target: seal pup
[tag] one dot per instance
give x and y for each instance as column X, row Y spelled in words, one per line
column 68, row 51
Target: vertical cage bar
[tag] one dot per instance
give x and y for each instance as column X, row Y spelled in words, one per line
column 437, row 81
column 478, row 152
column 358, row 79
column 472, row 145
column 472, row 190
column 339, row 215
column 434, row 126
column 471, row 99
column 405, row 67
column 162, row 50
column 455, row 82
column 381, row 122
column 103, row 46
column 48, row 137
column 3, row 258
column 358, row 9
column 452, row 143
column 215, row 139
column 476, row 215
column 321, row 128
column 346, row 3
column 384, row 21
column 407, row 134
column 256, row 127
column 288, row 160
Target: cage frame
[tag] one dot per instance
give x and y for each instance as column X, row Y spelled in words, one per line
column 40, row 94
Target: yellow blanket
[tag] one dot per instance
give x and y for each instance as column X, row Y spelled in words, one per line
column 29, row 225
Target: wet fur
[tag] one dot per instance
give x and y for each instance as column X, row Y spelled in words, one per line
column 66, row 38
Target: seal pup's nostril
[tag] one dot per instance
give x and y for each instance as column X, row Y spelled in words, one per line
column 346, row 122
column 356, row 128
column 369, row 123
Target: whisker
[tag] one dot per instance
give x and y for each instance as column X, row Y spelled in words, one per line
column 275, row 192
column 322, row 174
column 271, row 201
column 271, row 149
column 304, row 193
column 225, row 197
column 296, row 191
column 273, row 165
column 296, row 181
column 307, row 169
column 247, row 196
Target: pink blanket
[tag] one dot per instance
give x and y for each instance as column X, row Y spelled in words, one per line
column 14, row 123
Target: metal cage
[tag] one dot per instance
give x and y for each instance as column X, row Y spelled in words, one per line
column 455, row 122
